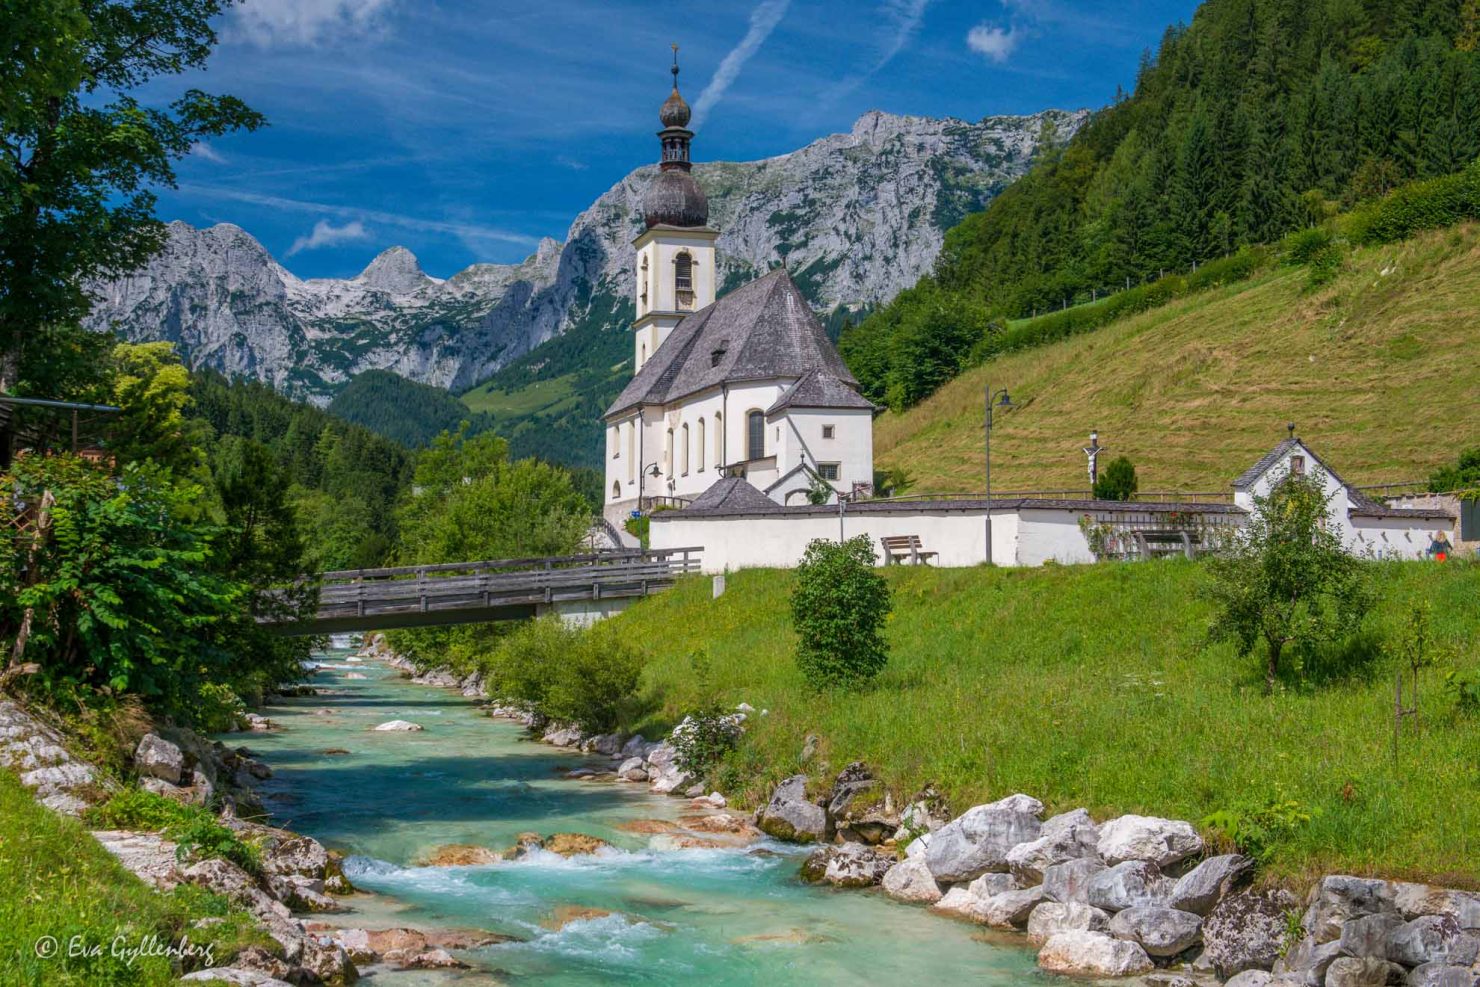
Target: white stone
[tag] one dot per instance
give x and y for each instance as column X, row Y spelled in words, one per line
column 159, row 758
column 1051, row 917
column 398, row 726
column 1093, row 954
column 1160, row 841
column 980, row 839
column 910, row 880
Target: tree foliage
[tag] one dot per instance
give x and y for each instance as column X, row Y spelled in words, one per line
column 566, row 674
column 402, row 410
column 1118, row 482
column 1254, row 120
column 1286, row 584
column 1463, row 475
column 80, row 155
column 839, row 608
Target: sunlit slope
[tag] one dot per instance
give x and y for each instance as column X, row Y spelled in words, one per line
column 1379, row 370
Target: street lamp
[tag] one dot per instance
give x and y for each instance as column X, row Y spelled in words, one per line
column 1002, row 401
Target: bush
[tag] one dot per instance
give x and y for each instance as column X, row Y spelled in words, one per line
column 708, row 733
column 838, row 608
column 194, row 829
column 567, row 674
column 1118, row 482
column 1418, row 206
column 1318, row 250
column 218, row 709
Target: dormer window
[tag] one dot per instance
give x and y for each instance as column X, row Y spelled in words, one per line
column 717, row 355
column 683, row 280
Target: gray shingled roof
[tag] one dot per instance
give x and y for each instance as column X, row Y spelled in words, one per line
column 820, row 389
column 733, row 509
column 761, row 331
column 1251, row 476
column 732, row 495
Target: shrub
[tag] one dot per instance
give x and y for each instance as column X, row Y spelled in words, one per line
column 708, row 733
column 838, row 608
column 1286, row 582
column 1417, row 206
column 1118, row 482
column 567, row 674
column 218, row 709
column 1256, row 829
column 194, row 829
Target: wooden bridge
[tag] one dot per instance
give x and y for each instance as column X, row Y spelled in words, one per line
column 580, row 587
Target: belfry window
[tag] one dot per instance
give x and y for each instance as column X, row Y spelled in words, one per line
column 683, row 280
column 643, row 281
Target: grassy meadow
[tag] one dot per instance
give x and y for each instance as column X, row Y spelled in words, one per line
column 56, row 880
column 1095, row 686
column 1377, row 369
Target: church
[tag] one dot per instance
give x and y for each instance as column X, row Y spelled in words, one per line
column 745, row 386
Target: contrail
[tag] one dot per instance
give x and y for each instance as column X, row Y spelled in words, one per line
column 763, row 20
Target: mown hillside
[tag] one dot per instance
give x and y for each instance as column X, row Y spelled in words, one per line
column 1378, row 370
column 1096, row 686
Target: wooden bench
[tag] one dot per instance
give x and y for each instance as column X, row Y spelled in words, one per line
column 898, row 548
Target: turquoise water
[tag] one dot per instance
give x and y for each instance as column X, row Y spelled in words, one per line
column 666, row 916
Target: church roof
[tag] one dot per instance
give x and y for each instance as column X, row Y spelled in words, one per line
column 761, row 331
column 733, row 495
column 820, row 389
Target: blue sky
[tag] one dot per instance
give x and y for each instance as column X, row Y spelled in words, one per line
column 466, row 131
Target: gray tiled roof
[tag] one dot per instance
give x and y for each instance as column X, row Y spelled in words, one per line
column 733, row 509
column 820, row 389
column 1251, row 476
column 732, row 495
column 761, row 331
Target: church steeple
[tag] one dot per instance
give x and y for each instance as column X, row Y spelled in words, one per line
column 674, row 198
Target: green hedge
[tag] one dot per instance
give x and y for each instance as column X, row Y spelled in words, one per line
column 1419, row 206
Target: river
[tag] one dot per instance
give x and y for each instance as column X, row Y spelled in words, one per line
column 713, row 916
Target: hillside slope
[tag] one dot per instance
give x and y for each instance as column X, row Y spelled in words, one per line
column 1378, row 370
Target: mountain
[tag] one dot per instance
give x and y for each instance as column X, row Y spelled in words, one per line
column 856, row 217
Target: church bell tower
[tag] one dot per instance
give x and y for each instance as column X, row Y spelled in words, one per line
column 675, row 255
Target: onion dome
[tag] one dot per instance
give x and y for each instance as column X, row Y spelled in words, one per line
column 674, row 198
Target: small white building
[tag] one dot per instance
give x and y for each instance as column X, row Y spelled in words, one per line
column 747, row 385
column 737, row 526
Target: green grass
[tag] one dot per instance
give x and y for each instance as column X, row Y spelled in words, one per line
column 537, row 396
column 55, row 880
column 1095, row 686
column 1377, row 369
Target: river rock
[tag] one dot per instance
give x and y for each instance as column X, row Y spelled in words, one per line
column 158, row 758
column 294, row 854
column 1201, row 888
column 1339, row 898
column 959, row 901
column 398, row 726
column 1093, row 954
column 980, row 839
column 574, row 844
column 1160, row 931
column 256, row 723
column 1307, row 961
column 1128, row 884
column 1012, row 909
column 1416, row 900
column 433, row 959
column 632, row 770
column 1246, row 931
column 1162, row 842
column 1443, row 975
column 302, row 894
column 460, row 855
column 150, row 857
column 1051, row 917
column 1358, row 971
column 849, row 865
column 1069, row 881
column 1070, row 836
column 327, row 962
column 235, row 976
column 636, row 746
column 609, row 744
column 790, row 816
column 851, row 782
column 1432, row 939
column 1367, row 935
column 990, row 885
column 910, row 880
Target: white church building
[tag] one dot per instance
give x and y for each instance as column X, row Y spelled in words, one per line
column 747, row 386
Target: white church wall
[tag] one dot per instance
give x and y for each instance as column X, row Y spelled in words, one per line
column 851, row 445
column 1050, row 535
column 1394, row 538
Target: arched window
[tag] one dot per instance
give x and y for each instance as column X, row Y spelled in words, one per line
column 699, row 445
column 755, row 435
column 719, row 439
column 683, row 455
column 616, row 490
column 668, row 456
column 641, row 355
column 643, row 281
column 683, row 280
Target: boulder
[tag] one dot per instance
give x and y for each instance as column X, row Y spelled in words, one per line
column 988, row 885
column 1443, row 975
column 1126, row 885
column 150, row 857
column 158, row 758
column 1011, row 909
column 980, row 839
column 1251, row 978
column 1050, row 918
column 1071, row 836
column 1416, row 900
column 604, row 743
column 1093, row 954
column 293, row 854
column 1069, row 881
column 1246, row 931
column 849, row 865
column 1160, row 931
column 1358, row 971
column 574, row 844
column 632, row 770
column 432, row 959
column 398, row 726
column 1432, row 939
column 1339, row 898
column 1307, row 961
column 1201, row 888
column 326, row 961
column 459, row 855
column 925, row 813
column 1162, row 842
column 851, row 782
column 910, row 880
column 637, row 747
column 790, row 816
column 235, row 976
column 960, row 901
column 1367, row 935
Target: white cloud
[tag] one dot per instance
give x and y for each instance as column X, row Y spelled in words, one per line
column 273, row 23
column 763, row 20
column 204, row 151
column 326, row 234
column 993, row 42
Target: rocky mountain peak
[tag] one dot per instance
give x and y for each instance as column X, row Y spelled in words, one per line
column 395, row 271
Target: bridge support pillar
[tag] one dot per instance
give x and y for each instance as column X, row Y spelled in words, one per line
column 584, row 613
